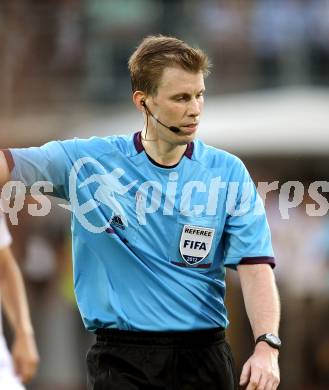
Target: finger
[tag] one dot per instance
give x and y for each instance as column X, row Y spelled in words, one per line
column 254, row 379
column 264, row 383
column 245, row 374
column 22, row 371
column 28, row 371
column 275, row 384
column 18, row 366
column 26, row 376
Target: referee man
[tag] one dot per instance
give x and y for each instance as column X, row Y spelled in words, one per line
column 156, row 219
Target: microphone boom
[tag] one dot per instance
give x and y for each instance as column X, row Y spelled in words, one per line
column 174, row 129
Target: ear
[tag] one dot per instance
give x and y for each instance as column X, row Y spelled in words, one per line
column 139, row 98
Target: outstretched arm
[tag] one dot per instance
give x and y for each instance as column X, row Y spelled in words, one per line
column 24, row 351
column 261, row 298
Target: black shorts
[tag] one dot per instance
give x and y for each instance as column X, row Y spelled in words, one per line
column 194, row 360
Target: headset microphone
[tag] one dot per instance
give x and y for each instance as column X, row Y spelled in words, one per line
column 174, row 129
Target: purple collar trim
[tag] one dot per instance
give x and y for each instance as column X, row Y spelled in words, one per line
column 189, row 150
column 138, row 142
column 139, row 146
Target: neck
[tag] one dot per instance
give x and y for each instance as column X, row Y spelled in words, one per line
column 161, row 151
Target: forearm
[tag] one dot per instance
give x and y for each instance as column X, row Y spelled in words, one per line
column 14, row 295
column 261, row 298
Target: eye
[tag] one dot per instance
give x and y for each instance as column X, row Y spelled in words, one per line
column 181, row 98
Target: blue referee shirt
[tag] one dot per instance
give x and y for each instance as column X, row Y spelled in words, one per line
column 150, row 244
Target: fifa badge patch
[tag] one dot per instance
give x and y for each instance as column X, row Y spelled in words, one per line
column 195, row 243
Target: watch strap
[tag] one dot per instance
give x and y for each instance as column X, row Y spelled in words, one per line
column 267, row 338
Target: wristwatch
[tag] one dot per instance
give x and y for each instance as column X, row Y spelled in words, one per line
column 270, row 339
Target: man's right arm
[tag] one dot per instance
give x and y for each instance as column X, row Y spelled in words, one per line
column 4, row 170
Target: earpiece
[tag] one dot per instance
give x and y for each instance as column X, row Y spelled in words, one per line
column 174, row 129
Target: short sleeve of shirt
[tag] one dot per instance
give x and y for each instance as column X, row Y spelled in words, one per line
column 5, row 237
column 51, row 162
column 247, row 233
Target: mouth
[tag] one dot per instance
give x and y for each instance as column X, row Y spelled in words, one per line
column 190, row 128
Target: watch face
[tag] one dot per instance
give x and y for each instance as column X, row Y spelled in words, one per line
column 273, row 339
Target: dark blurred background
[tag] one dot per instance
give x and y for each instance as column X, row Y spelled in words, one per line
column 63, row 73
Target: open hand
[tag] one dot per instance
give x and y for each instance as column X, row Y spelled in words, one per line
column 261, row 371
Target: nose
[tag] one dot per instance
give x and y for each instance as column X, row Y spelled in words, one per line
column 194, row 108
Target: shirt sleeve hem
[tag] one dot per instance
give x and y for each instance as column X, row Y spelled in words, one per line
column 259, row 260
column 270, row 260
